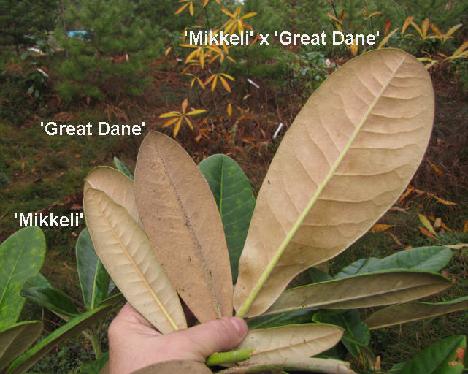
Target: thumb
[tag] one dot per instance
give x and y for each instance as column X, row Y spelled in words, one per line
column 216, row 336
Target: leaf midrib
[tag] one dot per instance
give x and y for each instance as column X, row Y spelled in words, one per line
column 193, row 234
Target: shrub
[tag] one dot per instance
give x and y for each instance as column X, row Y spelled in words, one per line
column 23, row 89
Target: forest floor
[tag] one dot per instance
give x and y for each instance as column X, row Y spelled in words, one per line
column 42, row 173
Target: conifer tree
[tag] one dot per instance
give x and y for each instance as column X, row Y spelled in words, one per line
column 24, row 21
column 110, row 59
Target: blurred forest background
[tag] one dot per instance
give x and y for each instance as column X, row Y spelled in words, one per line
column 125, row 61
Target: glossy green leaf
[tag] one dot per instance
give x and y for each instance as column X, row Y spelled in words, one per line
column 16, row 339
column 123, row 168
column 361, row 291
column 356, row 333
column 236, row 202
column 443, row 357
column 414, row 311
column 52, row 299
column 94, row 280
column 69, row 330
column 280, row 319
column 21, row 257
column 431, row 259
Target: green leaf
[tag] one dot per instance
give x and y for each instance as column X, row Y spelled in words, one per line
column 356, row 333
column 95, row 367
column 431, row 259
column 439, row 358
column 396, row 369
column 37, row 281
column 280, row 319
column 69, row 330
column 414, row 311
column 361, row 291
column 120, row 165
column 236, row 202
column 16, row 339
column 21, row 257
column 94, row 280
column 52, row 299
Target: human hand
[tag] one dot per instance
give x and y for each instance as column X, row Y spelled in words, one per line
column 134, row 344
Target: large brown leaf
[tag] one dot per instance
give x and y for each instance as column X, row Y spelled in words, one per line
column 127, row 255
column 280, row 345
column 347, row 157
column 361, row 291
column 181, row 219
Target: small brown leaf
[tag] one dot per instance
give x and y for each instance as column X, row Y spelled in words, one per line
column 427, row 233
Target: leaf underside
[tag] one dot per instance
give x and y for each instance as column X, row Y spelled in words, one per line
column 117, row 186
column 277, row 345
column 346, row 159
column 307, row 364
column 361, row 291
column 127, row 255
column 414, row 311
column 181, row 219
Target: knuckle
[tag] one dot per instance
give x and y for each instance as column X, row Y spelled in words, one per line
column 114, row 330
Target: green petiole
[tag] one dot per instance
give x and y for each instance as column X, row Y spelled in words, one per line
column 231, row 357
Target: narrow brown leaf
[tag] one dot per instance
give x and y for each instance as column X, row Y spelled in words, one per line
column 361, row 291
column 181, row 219
column 127, row 255
column 116, row 186
column 414, row 311
column 280, row 345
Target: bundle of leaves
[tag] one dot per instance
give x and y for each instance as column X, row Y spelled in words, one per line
column 22, row 256
column 178, row 230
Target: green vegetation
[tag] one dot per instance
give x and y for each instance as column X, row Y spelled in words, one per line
column 131, row 66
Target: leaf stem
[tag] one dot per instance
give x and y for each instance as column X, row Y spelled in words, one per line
column 95, row 343
column 231, row 357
